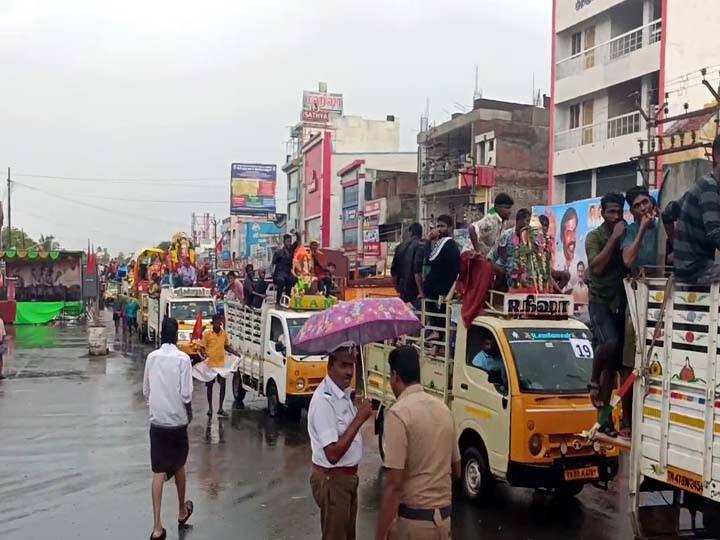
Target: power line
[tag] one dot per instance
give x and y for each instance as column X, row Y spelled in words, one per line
column 121, row 180
column 95, row 207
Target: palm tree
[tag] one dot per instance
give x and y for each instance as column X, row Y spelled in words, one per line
column 48, row 243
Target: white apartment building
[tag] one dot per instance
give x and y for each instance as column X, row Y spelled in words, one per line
column 606, row 60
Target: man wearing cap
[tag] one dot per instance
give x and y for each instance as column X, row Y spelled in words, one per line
column 421, row 457
column 334, row 426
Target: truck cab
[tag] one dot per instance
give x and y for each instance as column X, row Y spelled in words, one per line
column 516, row 382
column 183, row 304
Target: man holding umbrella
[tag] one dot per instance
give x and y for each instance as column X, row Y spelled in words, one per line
column 334, row 426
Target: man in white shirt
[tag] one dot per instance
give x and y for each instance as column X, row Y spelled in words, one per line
column 188, row 275
column 167, row 385
column 334, row 426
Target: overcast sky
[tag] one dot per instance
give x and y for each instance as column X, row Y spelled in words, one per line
column 171, row 90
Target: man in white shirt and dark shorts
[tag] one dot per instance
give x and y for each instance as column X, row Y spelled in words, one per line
column 334, row 424
column 167, row 385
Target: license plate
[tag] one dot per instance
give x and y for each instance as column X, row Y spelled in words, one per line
column 586, row 473
column 685, row 480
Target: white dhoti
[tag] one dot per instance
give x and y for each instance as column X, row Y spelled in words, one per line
column 203, row 372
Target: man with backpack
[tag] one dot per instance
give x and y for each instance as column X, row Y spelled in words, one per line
column 407, row 266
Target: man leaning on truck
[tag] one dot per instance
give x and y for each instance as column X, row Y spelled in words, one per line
column 422, row 457
column 334, row 428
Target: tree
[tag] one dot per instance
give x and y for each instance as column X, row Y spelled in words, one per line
column 18, row 239
column 48, row 243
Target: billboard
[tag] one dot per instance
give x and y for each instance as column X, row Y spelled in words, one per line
column 252, row 189
column 260, row 237
column 46, row 280
column 321, row 107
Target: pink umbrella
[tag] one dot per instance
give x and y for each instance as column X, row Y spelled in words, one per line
column 360, row 321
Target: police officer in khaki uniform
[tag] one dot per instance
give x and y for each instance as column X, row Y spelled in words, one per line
column 334, row 424
column 421, row 458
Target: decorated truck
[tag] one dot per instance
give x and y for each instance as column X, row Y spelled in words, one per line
column 184, row 304
column 266, row 359
column 516, row 381
column 675, row 451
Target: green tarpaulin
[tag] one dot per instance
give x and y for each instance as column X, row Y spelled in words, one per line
column 44, row 312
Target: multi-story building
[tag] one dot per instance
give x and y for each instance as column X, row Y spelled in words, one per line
column 323, row 143
column 391, row 196
column 497, row 147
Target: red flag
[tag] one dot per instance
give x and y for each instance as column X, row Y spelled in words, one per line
column 90, row 260
column 218, row 247
column 197, row 332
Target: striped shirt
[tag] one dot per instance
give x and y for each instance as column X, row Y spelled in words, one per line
column 697, row 234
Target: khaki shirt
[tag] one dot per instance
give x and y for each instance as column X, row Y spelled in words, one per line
column 420, row 439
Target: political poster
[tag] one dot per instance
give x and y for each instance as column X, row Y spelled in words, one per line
column 252, row 189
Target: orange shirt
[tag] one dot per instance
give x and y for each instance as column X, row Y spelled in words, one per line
column 215, row 348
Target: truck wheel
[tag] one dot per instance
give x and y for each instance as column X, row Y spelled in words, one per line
column 711, row 521
column 273, row 402
column 237, row 387
column 294, row 413
column 477, row 480
column 568, row 490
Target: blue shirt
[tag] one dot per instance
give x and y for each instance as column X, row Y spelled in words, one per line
column 647, row 255
column 489, row 363
column 131, row 309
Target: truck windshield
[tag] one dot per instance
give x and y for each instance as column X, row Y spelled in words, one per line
column 184, row 311
column 294, row 326
column 551, row 361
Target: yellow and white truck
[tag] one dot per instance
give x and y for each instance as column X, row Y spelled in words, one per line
column 267, row 361
column 517, row 417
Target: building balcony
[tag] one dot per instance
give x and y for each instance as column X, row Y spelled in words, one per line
column 598, row 132
column 605, row 143
column 627, row 56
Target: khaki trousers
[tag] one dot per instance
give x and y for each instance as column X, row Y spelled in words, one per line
column 336, row 495
column 415, row 529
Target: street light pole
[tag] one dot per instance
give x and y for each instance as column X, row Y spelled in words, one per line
column 9, row 244
column 214, row 249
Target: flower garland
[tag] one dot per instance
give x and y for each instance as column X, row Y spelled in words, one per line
column 529, row 262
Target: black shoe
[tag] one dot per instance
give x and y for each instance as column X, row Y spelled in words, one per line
column 209, row 413
column 2, row 377
column 222, row 413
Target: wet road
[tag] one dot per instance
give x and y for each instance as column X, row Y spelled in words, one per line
column 74, row 463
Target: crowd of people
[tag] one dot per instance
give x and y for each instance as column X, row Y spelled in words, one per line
column 422, row 456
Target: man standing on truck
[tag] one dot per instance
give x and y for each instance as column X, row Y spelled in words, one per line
column 188, row 275
column 485, row 232
column 334, row 428
column 697, row 233
column 639, row 248
column 282, row 263
column 421, row 459
column 607, row 304
column 215, row 343
column 407, row 263
column 444, row 262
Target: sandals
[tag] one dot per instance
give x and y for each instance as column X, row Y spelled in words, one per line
column 162, row 536
column 189, row 507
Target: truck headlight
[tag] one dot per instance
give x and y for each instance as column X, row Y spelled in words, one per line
column 535, row 444
column 299, row 383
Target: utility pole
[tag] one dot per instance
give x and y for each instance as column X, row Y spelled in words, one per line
column 9, row 244
column 214, row 249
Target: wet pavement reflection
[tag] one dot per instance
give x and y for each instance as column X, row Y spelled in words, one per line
column 74, row 462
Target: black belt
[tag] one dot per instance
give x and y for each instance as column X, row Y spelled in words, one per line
column 423, row 514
